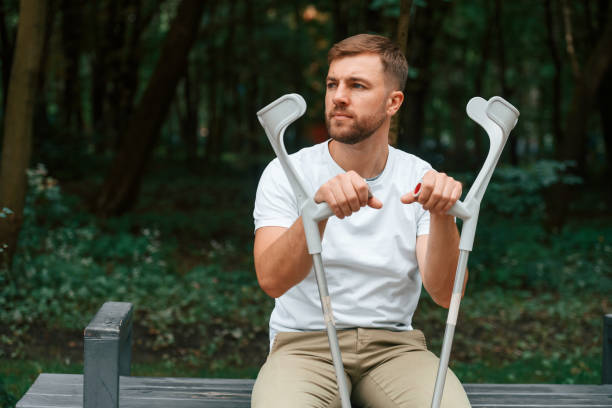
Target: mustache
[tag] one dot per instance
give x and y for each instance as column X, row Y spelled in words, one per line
column 340, row 111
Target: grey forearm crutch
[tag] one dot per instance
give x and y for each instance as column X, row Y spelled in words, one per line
column 498, row 117
column 275, row 118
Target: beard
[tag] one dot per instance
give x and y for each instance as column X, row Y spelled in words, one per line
column 353, row 130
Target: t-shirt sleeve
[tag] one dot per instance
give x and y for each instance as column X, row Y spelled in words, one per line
column 422, row 215
column 275, row 203
column 423, row 222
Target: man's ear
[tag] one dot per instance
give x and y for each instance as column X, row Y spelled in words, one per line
column 394, row 102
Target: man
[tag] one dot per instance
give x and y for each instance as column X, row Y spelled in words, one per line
column 377, row 251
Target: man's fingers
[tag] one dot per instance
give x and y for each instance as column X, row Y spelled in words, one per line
column 408, row 198
column 332, row 203
column 445, row 195
column 346, row 194
column 362, row 189
column 437, row 192
column 343, row 204
column 427, row 186
column 454, row 196
column 436, row 189
column 351, row 194
column 375, row 203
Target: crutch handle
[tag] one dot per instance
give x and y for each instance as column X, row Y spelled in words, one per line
column 312, row 213
column 459, row 209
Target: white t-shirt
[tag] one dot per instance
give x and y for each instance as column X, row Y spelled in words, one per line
column 369, row 258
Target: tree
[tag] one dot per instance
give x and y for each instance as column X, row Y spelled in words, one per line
column 122, row 184
column 588, row 80
column 424, row 28
column 6, row 50
column 117, row 29
column 18, row 121
column 403, row 27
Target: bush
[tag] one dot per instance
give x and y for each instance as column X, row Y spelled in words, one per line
column 69, row 263
column 519, row 192
column 189, row 270
column 513, row 249
column 7, row 400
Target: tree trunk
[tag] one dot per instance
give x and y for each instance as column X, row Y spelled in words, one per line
column 253, row 144
column 426, row 23
column 605, row 111
column 502, row 61
column 7, row 46
column 228, row 83
column 120, row 190
column 189, row 119
column 573, row 146
column 104, row 15
column 403, row 27
column 480, row 75
column 583, row 96
column 556, row 84
column 18, row 123
column 213, row 140
column 136, row 19
column 118, row 27
column 72, row 118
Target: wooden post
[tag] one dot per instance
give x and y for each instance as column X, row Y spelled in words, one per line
column 108, row 341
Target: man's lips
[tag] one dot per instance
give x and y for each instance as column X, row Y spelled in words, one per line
column 340, row 115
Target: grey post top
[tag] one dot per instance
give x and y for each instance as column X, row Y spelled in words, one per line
column 111, row 321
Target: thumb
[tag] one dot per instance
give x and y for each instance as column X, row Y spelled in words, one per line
column 375, row 203
column 408, row 198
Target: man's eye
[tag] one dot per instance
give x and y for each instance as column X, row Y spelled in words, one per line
column 331, row 85
column 358, row 86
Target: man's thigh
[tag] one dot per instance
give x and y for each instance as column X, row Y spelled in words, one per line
column 407, row 381
column 293, row 378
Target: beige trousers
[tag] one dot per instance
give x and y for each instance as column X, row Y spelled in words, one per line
column 384, row 369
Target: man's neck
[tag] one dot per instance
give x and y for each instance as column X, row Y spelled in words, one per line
column 368, row 157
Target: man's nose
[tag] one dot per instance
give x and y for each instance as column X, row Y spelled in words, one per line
column 341, row 96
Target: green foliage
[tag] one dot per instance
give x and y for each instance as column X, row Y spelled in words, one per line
column 571, row 368
column 7, row 400
column 183, row 257
column 523, row 255
column 520, row 192
column 514, row 250
column 69, row 264
column 516, row 336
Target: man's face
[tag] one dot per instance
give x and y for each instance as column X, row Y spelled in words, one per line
column 356, row 98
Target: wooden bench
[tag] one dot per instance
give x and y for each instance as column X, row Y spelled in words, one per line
column 106, row 382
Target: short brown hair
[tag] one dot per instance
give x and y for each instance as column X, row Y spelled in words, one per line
column 394, row 62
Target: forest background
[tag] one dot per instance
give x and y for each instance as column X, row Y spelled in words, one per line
column 131, row 154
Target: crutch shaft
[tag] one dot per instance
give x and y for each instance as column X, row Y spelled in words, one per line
column 451, row 323
column 332, row 336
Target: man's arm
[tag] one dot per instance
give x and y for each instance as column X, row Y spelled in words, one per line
column 437, row 255
column 438, row 252
column 281, row 257
column 281, row 254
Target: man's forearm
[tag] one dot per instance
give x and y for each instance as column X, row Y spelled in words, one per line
column 441, row 259
column 285, row 262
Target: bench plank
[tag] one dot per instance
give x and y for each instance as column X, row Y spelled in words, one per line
column 66, row 391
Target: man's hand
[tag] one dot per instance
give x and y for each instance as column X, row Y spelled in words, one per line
column 438, row 193
column 346, row 193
